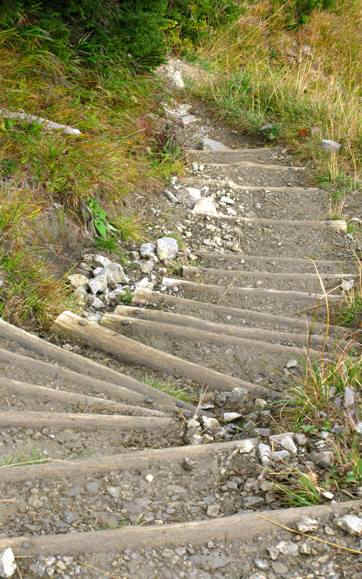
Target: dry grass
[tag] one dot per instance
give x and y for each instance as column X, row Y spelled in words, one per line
column 306, row 82
column 47, row 178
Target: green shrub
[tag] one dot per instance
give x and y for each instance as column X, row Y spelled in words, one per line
column 298, row 11
column 99, row 33
column 196, row 18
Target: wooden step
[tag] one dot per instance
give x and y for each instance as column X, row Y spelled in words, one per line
column 87, row 369
column 254, row 360
column 285, row 302
column 286, row 338
column 225, row 314
column 306, row 282
column 254, row 263
column 244, row 527
column 133, row 352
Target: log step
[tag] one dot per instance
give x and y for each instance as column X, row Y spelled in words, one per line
column 133, row 352
column 254, row 360
column 306, row 282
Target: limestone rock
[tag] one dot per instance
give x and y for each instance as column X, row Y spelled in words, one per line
column 330, row 146
column 115, row 275
column 167, row 248
column 213, row 145
column 7, row 563
column 352, row 524
column 78, row 280
column 307, row 524
column 147, row 250
column 98, row 284
column 205, row 206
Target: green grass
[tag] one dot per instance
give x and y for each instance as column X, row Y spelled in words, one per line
column 313, row 407
column 262, row 76
column 34, row 456
column 350, row 313
column 302, row 491
column 170, row 389
column 123, row 147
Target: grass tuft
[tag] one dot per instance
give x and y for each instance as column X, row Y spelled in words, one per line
column 171, row 390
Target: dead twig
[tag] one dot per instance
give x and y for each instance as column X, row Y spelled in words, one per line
column 313, row 537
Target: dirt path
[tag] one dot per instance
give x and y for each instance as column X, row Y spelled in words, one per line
column 103, row 475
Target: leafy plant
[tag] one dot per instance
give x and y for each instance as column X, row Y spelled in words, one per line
column 301, row 491
column 99, row 219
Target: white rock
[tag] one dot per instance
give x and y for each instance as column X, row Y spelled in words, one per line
column 98, row 284
column 176, row 78
column 196, row 439
column 301, row 438
column 227, row 200
column 205, row 206
column 50, row 125
column 307, row 524
column 144, row 284
column 247, row 445
column 349, row 397
column 352, row 524
column 347, row 285
column 286, row 441
column 7, row 563
column 211, row 424
column 339, row 225
column 147, row 250
column 291, row 364
column 213, row 511
column 288, row 548
column 213, row 145
column 78, row 280
column 170, row 196
column 264, row 453
column 230, row 416
column 115, row 275
column 81, row 296
column 101, row 260
column 280, row 455
column 188, row 120
column 149, row 477
column 167, row 248
column 168, row 282
column 96, row 303
column 192, row 196
column 148, row 266
column 331, row 146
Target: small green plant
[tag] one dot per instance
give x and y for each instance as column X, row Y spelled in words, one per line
column 301, row 490
column 127, row 228
column 99, row 219
column 169, row 388
column 111, row 244
column 126, row 297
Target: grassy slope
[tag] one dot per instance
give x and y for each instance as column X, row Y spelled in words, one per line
column 48, row 177
column 304, row 81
